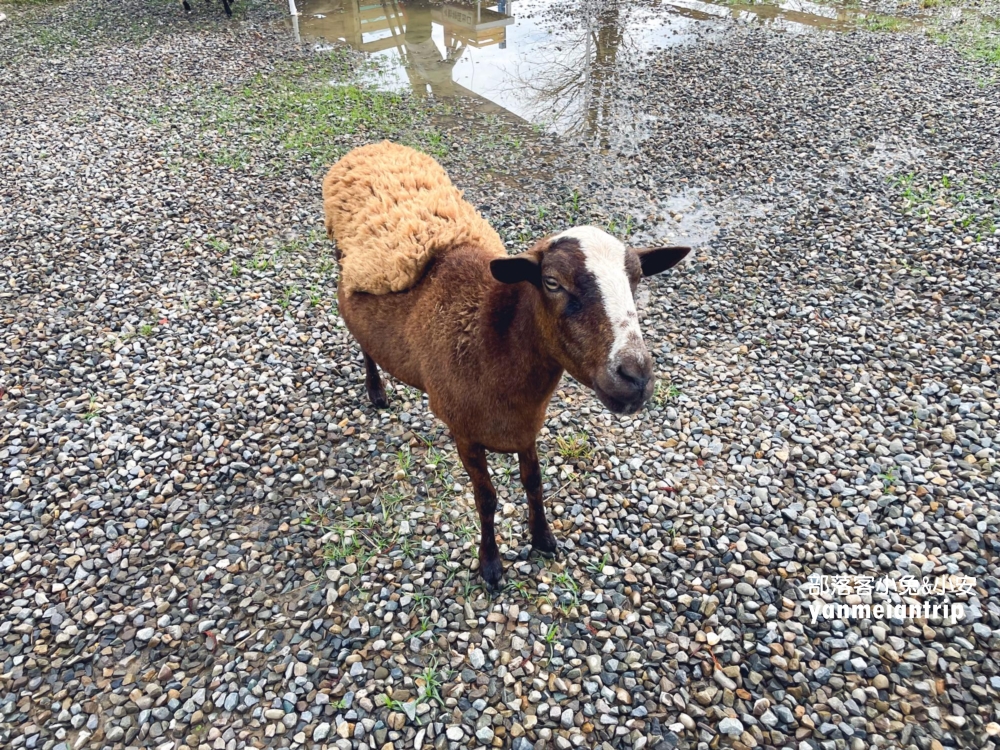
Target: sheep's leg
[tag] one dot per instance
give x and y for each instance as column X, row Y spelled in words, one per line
column 186, row 5
column 474, row 460
column 542, row 538
column 373, row 383
column 225, row 4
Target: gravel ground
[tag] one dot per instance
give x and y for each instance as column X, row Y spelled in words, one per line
column 209, row 539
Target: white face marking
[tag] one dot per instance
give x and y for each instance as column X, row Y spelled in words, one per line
column 605, row 259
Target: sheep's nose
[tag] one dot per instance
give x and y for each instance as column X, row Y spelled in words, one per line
column 635, row 373
column 635, row 369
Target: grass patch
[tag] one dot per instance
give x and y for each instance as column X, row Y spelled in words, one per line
column 574, row 447
column 974, row 35
column 970, row 203
column 430, row 681
column 880, row 23
column 665, row 392
column 986, row 46
column 310, row 110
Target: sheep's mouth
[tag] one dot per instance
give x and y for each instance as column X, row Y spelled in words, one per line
column 617, row 405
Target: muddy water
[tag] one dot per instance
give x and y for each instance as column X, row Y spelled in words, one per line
column 559, row 64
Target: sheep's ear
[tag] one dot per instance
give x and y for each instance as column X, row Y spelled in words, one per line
column 656, row 260
column 524, row 267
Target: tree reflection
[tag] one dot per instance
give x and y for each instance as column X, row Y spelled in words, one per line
column 578, row 87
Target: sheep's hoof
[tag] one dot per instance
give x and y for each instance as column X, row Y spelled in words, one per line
column 545, row 544
column 378, row 399
column 492, row 573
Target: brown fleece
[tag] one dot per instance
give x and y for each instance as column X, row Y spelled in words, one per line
column 391, row 210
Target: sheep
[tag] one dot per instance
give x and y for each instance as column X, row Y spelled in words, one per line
column 225, row 4
column 432, row 297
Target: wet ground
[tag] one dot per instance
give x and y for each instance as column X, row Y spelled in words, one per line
column 557, row 64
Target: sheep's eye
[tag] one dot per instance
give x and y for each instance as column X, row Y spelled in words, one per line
column 551, row 284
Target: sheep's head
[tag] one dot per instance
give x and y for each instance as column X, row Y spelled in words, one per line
column 586, row 281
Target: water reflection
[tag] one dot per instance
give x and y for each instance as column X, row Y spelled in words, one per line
column 577, row 84
column 560, row 63
column 424, row 39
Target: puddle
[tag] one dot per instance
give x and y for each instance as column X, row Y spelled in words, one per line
column 557, row 64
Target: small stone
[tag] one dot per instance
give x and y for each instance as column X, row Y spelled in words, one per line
column 732, row 727
column 321, row 732
column 484, row 735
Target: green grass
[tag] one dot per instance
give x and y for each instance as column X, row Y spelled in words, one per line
column 975, row 35
column 430, row 682
column 879, row 22
column 391, row 704
column 596, row 567
column 404, row 460
column 286, row 297
column 888, row 477
column 219, row 246
column 968, row 196
column 574, row 447
column 986, row 47
column 306, row 109
column 664, row 392
column 551, row 633
column 145, row 329
column 93, row 410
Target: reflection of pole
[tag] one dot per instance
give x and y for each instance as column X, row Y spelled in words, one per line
column 295, row 21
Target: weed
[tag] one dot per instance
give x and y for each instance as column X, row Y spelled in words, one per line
column 404, row 460
column 664, row 392
column 521, row 587
column 260, row 262
column 326, row 265
column 574, row 447
column 390, row 502
column 597, row 567
column 407, row 547
column 93, row 410
column 220, row 246
column 879, row 22
column 551, row 633
column 391, row 704
column 298, row 107
column 145, row 329
column 338, row 551
column 430, row 682
column 629, row 225
column 286, row 297
column 888, row 477
column 469, row 587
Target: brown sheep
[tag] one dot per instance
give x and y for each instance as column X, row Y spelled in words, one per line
column 431, row 296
